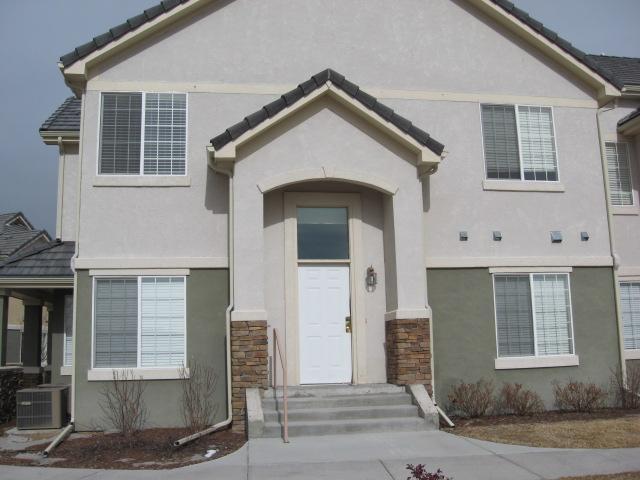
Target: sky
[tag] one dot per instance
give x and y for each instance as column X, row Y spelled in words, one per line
column 34, row 33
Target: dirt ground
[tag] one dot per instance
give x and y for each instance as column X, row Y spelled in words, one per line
column 151, row 449
column 604, row 429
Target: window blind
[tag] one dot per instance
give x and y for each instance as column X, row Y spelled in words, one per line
column 513, row 316
column 552, row 314
column 500, row 135
column 68, row 331
column 165, row 120
column 162, row 338
column 630, row 300
column 116, row 322
column 537, row 143
column 120, row 133
column 619, row 173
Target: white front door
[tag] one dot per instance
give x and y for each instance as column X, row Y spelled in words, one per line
column 324, row 304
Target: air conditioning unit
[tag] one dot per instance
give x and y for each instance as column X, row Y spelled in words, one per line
column 38, row 408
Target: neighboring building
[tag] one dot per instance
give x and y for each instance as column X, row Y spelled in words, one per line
column 17, row 236
column 211, row 202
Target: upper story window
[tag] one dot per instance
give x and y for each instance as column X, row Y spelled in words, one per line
column 619, row 169
column 143, row 134
column 519, row 143
column 533, row 315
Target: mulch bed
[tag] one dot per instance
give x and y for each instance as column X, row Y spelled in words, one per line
column 544, row 417
column 152, row 449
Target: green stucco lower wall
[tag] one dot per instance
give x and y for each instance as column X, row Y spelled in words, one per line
column 465, row 336
column 207, row 300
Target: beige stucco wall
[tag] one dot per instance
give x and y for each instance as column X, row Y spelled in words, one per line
column 413, row 44
column 68, row 201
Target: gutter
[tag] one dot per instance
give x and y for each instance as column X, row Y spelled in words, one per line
column 59, row 439
column 230, row 224
column 614, row 255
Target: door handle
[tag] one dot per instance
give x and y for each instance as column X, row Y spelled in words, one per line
column 347, row 324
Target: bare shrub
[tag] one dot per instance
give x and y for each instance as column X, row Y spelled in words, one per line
column 626, row 394
column 513, row 399
column 123, row 403
column 199, row 383
column 472, row 399
column 578, row 396
column 420, row 472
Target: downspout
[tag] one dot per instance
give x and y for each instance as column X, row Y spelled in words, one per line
column 614, row 255
column 72, row 421
column 227, row 421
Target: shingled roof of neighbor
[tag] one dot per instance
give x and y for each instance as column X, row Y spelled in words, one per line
column 14, row 237
column 625, row 69
column 51, row 260
column 66, row 118
column 308, row 86
column 632, row 116
column 166, row 6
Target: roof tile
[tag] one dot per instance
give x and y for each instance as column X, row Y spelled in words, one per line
column 304, row 89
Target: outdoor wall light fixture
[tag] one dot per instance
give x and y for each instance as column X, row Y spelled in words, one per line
column 372, row 279
column 584, row 236
column 464, row 236
column 497, row 236
column 556, row 236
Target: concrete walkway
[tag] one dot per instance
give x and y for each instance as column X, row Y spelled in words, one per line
column 381, row 456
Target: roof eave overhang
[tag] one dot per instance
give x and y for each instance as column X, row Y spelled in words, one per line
column 36, row 282
column 630, row 128
column 55, row 137
column 606, row 91
column 76, row 74
column 427, row 161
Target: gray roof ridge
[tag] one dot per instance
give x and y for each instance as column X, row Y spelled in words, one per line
column 305, row 88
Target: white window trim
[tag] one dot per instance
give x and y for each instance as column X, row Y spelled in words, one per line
column 630, row 353
column 527, row 185
column 64, row 345
column 534, row 361
column 624, row 209
column 633, row 354
column 548, row 361
column 165, row 373
column 146, row 373
column 102, row 179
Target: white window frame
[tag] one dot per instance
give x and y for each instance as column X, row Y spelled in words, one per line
column 142, row 133
column 632, row 207
column 146, row 373
column 630, row 353
column 536, row 360
column 64, row 335
column 522, row 179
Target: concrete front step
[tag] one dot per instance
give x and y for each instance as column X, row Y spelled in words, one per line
column 335, row 390
column 337, row 401
column 331, row 427
column 343, row 413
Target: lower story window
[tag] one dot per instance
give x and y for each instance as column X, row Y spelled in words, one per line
column 139, row 322
column 630, row 300
column 533, row 315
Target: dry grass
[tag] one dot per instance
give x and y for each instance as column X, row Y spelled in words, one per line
column 615, row 476
column 621, row 431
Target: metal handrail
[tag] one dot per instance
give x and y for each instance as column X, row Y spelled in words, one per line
column 277, row 349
